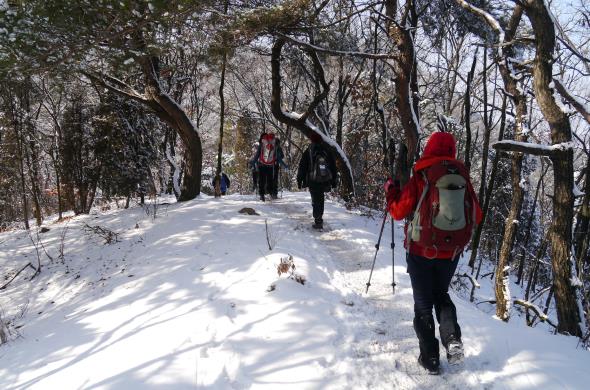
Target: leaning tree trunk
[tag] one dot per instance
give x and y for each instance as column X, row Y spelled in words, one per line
column 512, row 222
column 300, row 121
column 167, row 110
column 170, row 112
column 505, row 53
column 568, row 314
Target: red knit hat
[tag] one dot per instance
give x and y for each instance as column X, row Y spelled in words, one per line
column 441, row 145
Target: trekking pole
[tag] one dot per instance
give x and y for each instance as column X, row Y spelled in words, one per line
column 392, row 173
column 376, row 251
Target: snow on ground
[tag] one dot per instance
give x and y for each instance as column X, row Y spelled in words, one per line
column 192, row 299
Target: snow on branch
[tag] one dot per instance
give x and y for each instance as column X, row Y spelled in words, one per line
column 531, row 306
column 301, row 121
column 572, row 99
column 338, row 53
column 473, row 281
column 115, row 85
column 531, row 148
column 474, row 284
column 489, row 19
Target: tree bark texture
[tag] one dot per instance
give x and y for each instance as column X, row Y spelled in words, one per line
column 221, row 120
column 171, row 113
column 568, row 314
column 512, row 221
column 582, row 241
column 467, row 108
column 527, row 236
column 405, row 68
column 488, row 195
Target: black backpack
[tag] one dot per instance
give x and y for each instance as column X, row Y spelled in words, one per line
column 319, row 172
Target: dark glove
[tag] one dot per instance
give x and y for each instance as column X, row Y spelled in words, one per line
column 392, row 189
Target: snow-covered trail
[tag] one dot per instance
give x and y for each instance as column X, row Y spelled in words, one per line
column 192, row 300
column 383, row 347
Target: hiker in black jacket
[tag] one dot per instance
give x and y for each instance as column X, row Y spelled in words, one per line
column 317, row 171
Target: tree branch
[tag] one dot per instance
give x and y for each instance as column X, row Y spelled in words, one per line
column 338, row 53
column 18, row 273
column 531, row 306
column 115, row 85
column 571, row 99
column 530, row 148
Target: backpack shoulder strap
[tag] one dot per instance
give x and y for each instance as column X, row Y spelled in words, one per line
column 424, row 192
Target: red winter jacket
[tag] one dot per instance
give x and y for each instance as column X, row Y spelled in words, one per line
column 401, row 204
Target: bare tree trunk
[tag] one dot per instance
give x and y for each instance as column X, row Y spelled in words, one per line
column 510, row 228
column 527, row 235
column 221, row 124
column 168, row 111
column 568, row 314
column 21, row 163
column 401, row 31
column 487, row 127
column 488, row 195
column 217, row 179
column 582, row 241
column 33, row 168
column 532, row 280
column 340, row 108
column 467, row 107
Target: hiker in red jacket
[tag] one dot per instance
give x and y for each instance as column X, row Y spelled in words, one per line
column 442, row 211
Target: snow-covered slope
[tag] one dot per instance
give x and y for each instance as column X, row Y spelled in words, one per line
column 193, row 299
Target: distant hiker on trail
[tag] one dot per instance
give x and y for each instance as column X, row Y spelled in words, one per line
column 268, row 157
column 253, row 165
column 223, row 185
column 317, row 171
column 442, row 211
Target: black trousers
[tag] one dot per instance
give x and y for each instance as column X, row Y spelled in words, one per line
column 317, row 203
column 275, row 179
column 266, row 183
column 430, row 285
column 255, row 180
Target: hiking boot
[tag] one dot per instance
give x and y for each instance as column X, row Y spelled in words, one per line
column 430, row 364
column 429, row 350
column 262, row 198
column 454, row 348
column 274, row 197
column 318, row 224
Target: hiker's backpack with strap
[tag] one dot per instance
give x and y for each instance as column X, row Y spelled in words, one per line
column 268, row 155
column 444, row 218
column 319, row 172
